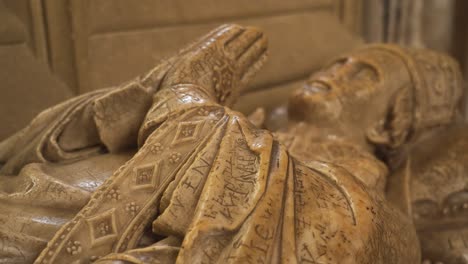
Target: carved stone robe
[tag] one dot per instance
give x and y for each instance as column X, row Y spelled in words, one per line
column 49, row 169
column 214, row 188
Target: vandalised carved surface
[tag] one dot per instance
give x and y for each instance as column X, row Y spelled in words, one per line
column 436, row 196
column 161, row 170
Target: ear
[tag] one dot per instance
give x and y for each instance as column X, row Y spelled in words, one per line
column 392, row 130
column 378, row 134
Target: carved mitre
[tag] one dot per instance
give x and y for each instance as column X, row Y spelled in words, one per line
column 436, row 87
column 405, row 93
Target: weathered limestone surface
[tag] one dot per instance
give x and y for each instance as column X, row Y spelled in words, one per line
column 161, row 169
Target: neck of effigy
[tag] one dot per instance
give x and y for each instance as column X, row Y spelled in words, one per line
column 306, row 136
column 306, row 143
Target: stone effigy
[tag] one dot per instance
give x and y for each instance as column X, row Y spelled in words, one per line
column 161, row 170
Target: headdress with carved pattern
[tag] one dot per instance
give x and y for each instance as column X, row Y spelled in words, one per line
column 436, row 90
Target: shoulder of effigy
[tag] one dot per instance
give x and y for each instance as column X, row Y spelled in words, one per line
column 333, row 172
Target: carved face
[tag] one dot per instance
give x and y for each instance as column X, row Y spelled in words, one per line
column 354, row 89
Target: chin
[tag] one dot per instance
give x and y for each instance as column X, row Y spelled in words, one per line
column 312, row 109
column 298, row 106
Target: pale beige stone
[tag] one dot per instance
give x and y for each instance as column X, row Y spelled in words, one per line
column 204, row 184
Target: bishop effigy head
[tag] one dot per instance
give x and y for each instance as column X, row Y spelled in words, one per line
column 410, row 92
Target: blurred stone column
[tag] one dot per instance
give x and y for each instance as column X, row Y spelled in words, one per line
column 438, row 24
column 415, row 23
column 460, row 34
column 460, row 41
column 374, row 21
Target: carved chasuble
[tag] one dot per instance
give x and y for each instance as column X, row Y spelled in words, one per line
column 161, row 170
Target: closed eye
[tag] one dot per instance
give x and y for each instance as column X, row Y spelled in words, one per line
column 335, row 65
column 366, row 72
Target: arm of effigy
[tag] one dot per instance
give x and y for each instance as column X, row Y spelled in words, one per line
column 182, row 120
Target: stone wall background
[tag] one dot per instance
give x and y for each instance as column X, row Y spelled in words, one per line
column 90, row 44
column 51, row 50
column 435, row 24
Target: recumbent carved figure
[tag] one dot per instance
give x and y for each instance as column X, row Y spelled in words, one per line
column 162, row 170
